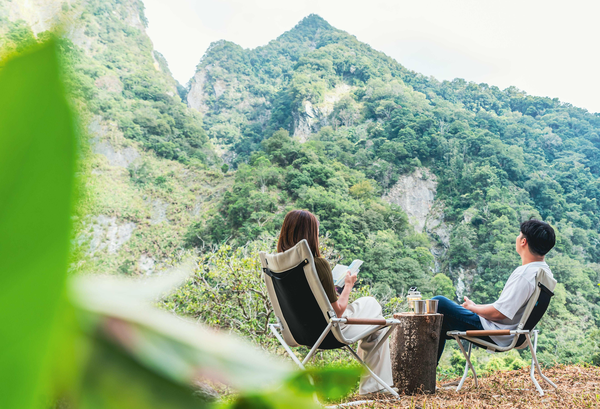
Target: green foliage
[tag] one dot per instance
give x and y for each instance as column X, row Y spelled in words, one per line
column 483, row 362
column 228, row 292
column 499, row 157
column 37, row 163
column 442, row 285
column 123, row 80
column 117, row 351
column 363, row 189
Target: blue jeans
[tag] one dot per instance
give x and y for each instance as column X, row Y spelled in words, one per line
column 456, row 317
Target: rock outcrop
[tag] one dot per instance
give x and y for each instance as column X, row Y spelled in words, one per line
column 106, row 233
column 415, row 194
column 40, row 15
column 315, row 116
column 196, row 96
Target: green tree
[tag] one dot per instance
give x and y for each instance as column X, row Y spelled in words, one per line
column 442, row 285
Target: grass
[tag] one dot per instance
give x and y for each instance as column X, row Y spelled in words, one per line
column 578, row 387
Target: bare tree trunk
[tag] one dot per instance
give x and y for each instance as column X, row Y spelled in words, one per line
column 413, row 348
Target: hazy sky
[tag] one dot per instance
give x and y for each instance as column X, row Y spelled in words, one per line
column 547, row 48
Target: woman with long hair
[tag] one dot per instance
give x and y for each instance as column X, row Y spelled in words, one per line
column 302, row 224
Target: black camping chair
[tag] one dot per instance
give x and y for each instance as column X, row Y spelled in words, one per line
column 536, row 308
column 303, row 311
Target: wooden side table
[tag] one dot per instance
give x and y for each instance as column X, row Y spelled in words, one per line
column 413, row 349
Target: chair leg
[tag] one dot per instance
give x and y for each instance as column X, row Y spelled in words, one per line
column 535, row 335
column 317, row 344
column 377, row 378
column 466, row 371
column 285, row 345
column 534, row 361
column 468, row 365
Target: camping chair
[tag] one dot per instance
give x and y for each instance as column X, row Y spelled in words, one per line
column 303, row 311
column 536, row 307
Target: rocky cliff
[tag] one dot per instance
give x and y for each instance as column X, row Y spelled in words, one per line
column 137, row 205
column 415, row 194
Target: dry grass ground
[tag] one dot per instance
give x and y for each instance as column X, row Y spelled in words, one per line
column 578, row 387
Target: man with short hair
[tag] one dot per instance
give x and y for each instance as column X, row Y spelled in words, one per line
column 533, row 243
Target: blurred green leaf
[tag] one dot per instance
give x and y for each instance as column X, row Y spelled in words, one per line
column 120, row 311
column 283, row 398
column 114, row 380
column 330, row 383
column 37, row 156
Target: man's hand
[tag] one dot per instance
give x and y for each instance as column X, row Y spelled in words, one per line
column 487, row 311
column 350, row 279
column 468, row 304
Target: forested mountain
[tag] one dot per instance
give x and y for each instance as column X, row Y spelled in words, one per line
column 146, row 172
column 426, row 181
column 318, row 120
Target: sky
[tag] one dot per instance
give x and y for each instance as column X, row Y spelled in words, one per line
column 546, row 48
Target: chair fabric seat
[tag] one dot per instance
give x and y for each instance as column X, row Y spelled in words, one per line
column 537, row 312
column 301, row 310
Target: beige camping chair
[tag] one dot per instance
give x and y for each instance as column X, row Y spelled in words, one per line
column 303, row 311
column 536, row 307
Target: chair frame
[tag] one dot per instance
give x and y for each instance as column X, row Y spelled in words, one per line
column 334, row 321
column 458, row 335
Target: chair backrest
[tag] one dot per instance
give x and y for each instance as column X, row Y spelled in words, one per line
column 538, row 303
column 298, row 298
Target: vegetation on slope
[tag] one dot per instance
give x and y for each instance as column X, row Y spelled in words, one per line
column 146, row 171
column 500, row 157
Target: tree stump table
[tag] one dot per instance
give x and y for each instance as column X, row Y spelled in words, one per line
column 413, row 349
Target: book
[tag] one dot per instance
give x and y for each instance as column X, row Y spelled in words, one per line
column 339, row 272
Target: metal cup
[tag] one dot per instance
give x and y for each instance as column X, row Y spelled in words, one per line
column 420, row 307
column 432, row 306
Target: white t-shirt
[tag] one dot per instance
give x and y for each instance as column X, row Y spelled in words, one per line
column 513, row 300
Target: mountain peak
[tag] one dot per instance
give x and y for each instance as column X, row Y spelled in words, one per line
column 313, row 22
column 308, row 29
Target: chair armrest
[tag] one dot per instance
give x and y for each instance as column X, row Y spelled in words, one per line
column 366, row 321
column 484, row 333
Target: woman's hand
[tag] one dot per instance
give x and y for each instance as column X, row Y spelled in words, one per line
column 340, row 305
column 350, row 279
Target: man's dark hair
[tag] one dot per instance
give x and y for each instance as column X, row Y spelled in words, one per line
column 540, row 236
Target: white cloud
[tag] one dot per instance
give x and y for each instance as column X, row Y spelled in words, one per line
column 548, row 48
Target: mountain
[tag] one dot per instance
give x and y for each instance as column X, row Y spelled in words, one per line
column 146, row 172
column 245, row 93
column 318, row 120
column 426, row 181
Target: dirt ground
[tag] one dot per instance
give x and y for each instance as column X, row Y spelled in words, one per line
column 578, row 387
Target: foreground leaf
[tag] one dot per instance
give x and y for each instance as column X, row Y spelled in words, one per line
column 37, row 155
column 179, row 350
column 330, row 383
